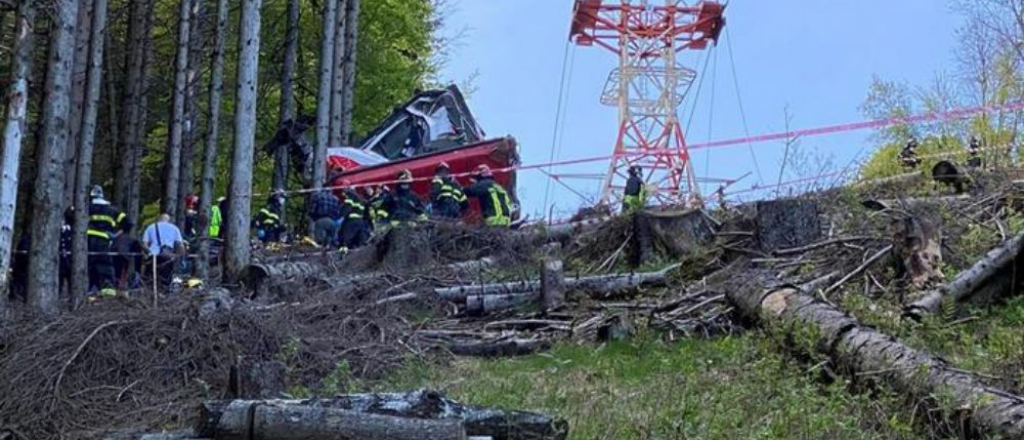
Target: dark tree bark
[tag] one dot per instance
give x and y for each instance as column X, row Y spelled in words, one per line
column 212, row 137
column 190, row 127
column 351, row 46
column 48, row 194
column 287, row 111
column 323, row 99
column 78, row 79
column 172, row 164
column 131, row 99
column 338, row 77
column 14, row 134
column 240, row 193
column 87, row 138
column 135, row 195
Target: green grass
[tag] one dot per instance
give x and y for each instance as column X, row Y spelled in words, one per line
column 729, row 388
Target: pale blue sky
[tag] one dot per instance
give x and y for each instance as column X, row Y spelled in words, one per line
column 816, row 57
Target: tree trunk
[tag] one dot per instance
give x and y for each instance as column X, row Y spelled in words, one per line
column 131, row 98
column 87, row 138
column 1000, row 260
column 486, row 304
column 598, row 285
column 866, row 354
column 79, row 75
column 14, row 134
column 190, row 127
column 552, row 284
column 172, row 164
column 48, row 196
column 323, row 97
column 338, row 77
column 287, row 111
column 240, row 194
column 244, row 420
column 212, row 137
column 351, row 45
column 142, row 133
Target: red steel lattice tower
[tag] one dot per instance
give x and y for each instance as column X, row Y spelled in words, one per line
column 649, row 85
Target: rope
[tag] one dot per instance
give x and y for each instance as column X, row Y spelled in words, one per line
column 739, row 99
column 558, row 115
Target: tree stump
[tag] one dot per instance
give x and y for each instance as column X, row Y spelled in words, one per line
column 552, row 284
column 917, row 246
column 408, row 248
column 788, row 223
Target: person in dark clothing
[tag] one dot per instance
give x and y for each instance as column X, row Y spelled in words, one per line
column 355, row 214
column 191, row 217
column 105, row 223
column 379, row 202
column 19, row 268
column 635, row 197
column 405, row 207
column 908, row 156
column 128, row 261
column 495, row 202
column 268, row 222
column 324, row 211
column 447, row 201
column 974, row 153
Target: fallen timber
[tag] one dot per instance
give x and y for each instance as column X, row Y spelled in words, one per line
column 862, row 353
column 600, row 285
column 982, row 277
column 221, row 419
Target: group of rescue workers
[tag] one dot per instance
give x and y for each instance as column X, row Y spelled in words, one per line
column 909, row 158
column 344, row 220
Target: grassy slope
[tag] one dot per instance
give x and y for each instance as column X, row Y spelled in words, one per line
column 729, row 388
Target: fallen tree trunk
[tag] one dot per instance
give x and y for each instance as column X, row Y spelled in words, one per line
column 599, row 285
column 971, row 281
column 866, row 354
column 485, row 304
column 478, row 421
column 505, row 348
column 270, row 420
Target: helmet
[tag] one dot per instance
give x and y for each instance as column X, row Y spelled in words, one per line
column 484, row 171
column 442, row 166
column 191, row 201
column 96, row 192
column 635, row 170
column 346, row 184
column 405, row 176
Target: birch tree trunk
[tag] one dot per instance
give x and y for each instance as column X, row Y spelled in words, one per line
column 287, row 111
column 323, row 98
column 338, row 77
column 14, row 134
column 172, row 165
column 87, row 137
column 48, row 194
column 240, row 192
column 190, row 127
column 351, row 46
column 212, row 134
column 79, row 71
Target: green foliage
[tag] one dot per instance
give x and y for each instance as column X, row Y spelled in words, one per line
column 885, row 161
column 729, row 388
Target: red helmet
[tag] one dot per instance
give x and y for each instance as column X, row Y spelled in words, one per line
column 191, row 201
column 484, row 171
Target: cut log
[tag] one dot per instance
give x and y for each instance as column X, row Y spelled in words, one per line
column 598, row 285
column 787, row 223
column 913, row 202
column 917, row 246
column 1000, row 260
column 478, row 421
column 270, row 420
column 489, row 303
column 863, row 353
column 504, row 348
column 552, row 284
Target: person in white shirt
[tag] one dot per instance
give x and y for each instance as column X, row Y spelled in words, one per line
column 164, row 241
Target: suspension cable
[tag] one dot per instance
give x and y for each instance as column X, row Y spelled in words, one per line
column 739, row 99
column 558, row 114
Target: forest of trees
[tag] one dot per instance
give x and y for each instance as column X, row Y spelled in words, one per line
column 986, row 71
column 158, row 99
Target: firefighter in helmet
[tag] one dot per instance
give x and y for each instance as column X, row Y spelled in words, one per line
column 105, row 222
column 495, row 203
column 635, row 197
column 355, row 219
column 269, row 222
column 974, row 153
column 447, row 200
column 908, row 156
column 405, row 207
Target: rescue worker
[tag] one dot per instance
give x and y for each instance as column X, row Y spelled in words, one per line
column 355, row 214
column 324, row 211
column 447, row 201
column 269, row 226
column 636, row 192
column 191, row 217
column 495, row 203
column 404, row 206
column 908, row 157
column 379, row 201
column 974, row 153
column 105, row 222
column 217, row 217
